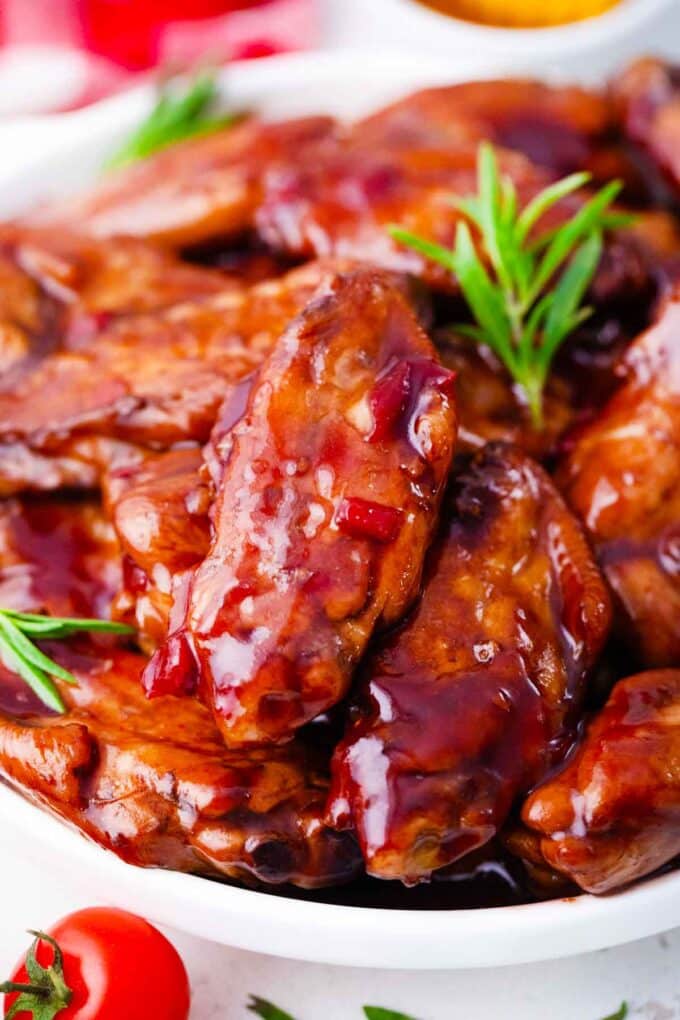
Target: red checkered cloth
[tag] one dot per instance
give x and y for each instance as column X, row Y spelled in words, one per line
column 62, row 54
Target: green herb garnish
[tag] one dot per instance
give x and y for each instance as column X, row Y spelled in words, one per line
column 378, row 1013
column 179, row 113
column 267, row 1010
column 621, row 1013
column 523, row 305
column 20, row 654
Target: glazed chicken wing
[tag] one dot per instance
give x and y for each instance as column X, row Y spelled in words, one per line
column 60, row 289
column 196, row 190
column 612, row 814
column 154, row 379
column 469, row 702
column 564, row 129
column 158, row 505
column 326, row 505
column 622, row 477
column 150, row 780
column 491, row 408
column 648, row 98
column 153, row 782
column 402, row 166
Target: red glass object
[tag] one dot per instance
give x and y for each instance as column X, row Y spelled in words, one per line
column 128, row 31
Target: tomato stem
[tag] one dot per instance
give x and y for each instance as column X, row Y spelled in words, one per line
column 47, row 994
column 15, row 986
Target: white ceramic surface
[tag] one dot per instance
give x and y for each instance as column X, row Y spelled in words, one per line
column 606, row 30
column 44, row 157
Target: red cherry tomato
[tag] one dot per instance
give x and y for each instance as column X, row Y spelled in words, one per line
column 117, row 967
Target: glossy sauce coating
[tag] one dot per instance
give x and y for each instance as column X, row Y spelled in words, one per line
column 326, row 506
column 149, row 780
column 190, row 192
column 159, row 507
column 154, row 379
column 564, row 129
column 403, row 164
column 271, row 485
column 465, row 705
column 648, row 98
column 622, row 477
column 490, row 408
column 61, row 289
column 612, row 815
column 153, row 782
column 57, row 556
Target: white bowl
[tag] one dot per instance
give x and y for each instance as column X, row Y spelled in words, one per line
column 42, row 156
column 409, row 23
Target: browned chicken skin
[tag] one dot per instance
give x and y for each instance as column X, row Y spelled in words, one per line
column 150, row 780
column 158, row 505
column 563, row 129
column 466, row 705
column 327, row 504
column 622, row 477
column 648, row 98
column 272, row 446
column 61, row 289
column 154, row 379
column 153, row 781
column 612, row 814
column 193, row 191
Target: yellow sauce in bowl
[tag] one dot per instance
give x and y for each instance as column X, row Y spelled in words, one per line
column 521, row 13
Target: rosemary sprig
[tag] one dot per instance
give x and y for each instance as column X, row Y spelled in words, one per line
column 527, row 298
column 179, row 113
column 268, row 1011
column 20, row 654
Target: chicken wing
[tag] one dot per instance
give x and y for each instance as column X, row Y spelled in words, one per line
column 648, row 98
column 467, row 704
column 402, row 166
column 622, row 477
column 490, row 407
column 563, row 129
column 153, row 379
column 612, row 814
column 150, row 780
column 327, row 503
column 158, row 505
column 61, row 289
column 197, row 190
column 153, row 782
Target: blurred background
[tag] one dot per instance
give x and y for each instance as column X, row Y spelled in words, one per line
column 62, row 54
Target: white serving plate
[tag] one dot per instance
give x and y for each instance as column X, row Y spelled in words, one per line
column 44, row 156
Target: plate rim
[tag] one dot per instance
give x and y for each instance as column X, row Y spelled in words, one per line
column 286, row 927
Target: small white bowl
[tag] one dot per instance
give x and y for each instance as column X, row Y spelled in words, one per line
column 422, row 27
column 48, row 155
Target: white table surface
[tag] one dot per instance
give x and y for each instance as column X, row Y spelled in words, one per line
column 646, row 973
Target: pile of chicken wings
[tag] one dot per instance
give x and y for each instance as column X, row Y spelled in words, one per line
column 383, row 624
